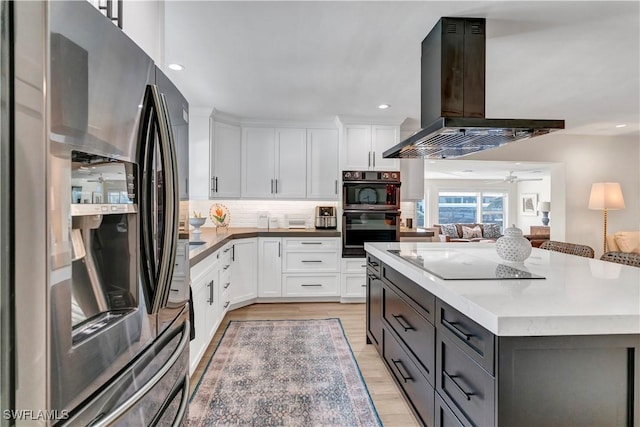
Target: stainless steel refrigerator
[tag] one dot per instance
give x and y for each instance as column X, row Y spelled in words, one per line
column 89, row 226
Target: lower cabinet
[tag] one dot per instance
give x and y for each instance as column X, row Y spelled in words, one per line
column 454, row 372
column 244, row 271
column 204, row 286
column 269, row 267
column 298, row 267
column 353, row 279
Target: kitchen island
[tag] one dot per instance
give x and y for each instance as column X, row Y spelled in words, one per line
column 472, row 340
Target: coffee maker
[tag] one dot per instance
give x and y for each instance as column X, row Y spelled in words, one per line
column 326, row 217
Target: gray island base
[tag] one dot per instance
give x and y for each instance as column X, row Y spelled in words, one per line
column 453, row 371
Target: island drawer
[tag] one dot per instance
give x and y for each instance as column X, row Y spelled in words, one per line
column 413, row 329
column 463, row 384
column 373, row 265
column 415, row 386
column 424, row 300
column 445, row 416
column 477, row 342
column 311, row 244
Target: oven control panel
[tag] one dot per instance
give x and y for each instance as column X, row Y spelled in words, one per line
column 392, row 176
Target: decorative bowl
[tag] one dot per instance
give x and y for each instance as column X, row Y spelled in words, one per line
column 513, row 246
column 197, row 223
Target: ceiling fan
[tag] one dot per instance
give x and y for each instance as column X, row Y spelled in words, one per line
column 511, row 179
column 100, row 179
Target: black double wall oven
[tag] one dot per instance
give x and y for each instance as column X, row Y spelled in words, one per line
column 370, row 209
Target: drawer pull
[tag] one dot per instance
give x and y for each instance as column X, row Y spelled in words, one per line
column 404, row 324
column 175, row 290
column 311, row 260
column 226, row 304
column 398, row 364
column 451, row 326
column 363, row 265
column 364, row 286
column 311, row 284
column 226, row 266
column 227, row 285
column 226, row 250
column 310, row 243
column 460, row 389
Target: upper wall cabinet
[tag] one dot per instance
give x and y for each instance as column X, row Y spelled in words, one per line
column 226, row 143
column 322, row 164
column 412, row 176
column 274, row 163
column 363, row 146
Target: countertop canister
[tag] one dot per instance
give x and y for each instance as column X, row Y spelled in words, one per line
column 513, row 246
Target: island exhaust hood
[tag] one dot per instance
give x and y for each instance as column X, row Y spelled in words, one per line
column 453, row 98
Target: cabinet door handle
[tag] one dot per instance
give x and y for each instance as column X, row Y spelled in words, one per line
column 276, row 185
column 271, row 191
column 233, row 253
column 374, row 159
column 398, row 364
column 279, row 250
column 457, row 332
column 216, row 180
column 213, row 186
column 311, row 260
column 310, row 243
column 369, row 159
column 210, row 300
column 311, row 284
column 226, row 304
column 225, row 267
column 460, row 389
column 336, row 186
column 226, row 250
column 226, row 285
column 404, row 324
column 186, row 183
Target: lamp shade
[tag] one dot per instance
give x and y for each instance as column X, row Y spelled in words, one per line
column 544, row 206
column 606, row 195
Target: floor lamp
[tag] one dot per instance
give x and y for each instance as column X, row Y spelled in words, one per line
column 606, row 196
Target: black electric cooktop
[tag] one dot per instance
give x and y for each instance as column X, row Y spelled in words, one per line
column 454, row 265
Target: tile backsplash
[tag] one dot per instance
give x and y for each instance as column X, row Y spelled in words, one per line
column 244, row 213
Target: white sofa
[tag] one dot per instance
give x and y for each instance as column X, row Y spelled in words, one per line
column 624, row 241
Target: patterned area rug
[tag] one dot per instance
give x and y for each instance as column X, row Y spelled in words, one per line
column 283, row 373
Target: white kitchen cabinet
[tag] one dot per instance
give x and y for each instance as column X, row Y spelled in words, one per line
column 311, row 267
column 274, row 163
column 244, row 271
column 205, row 306
column 363, row 146
column 269, row 267
column 412, row 178
column 226, row 149
column 353, row 282
column 322, row 164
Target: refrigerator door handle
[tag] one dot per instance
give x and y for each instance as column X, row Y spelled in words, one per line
column 171, row 202
column 158, row 271
column 138, row 395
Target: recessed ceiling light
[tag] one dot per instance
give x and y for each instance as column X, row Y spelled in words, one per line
column 176, row 67
column 384, row 106
column 621, row 125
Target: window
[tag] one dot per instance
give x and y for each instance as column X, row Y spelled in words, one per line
column 471, row 207
column 419, row 214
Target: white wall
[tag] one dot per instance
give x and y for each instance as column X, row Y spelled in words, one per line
column 143, row 21
column 579, row 162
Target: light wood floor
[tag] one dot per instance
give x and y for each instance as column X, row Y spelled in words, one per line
column 387, row 398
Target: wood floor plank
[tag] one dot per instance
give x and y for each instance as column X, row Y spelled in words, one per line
column 387, row 398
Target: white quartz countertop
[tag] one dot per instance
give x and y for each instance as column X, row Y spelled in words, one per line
column 579, row 296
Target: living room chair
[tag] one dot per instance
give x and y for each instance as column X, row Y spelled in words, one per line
column 626, row 258
column 568, row 248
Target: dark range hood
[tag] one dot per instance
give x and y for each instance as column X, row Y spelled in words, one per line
column 453, row 98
